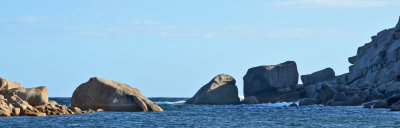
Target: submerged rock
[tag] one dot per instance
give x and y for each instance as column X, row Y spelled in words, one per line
column 34, row 96
column 99, row 93
column 309, row 101
column 250, row 100
column 220, row 90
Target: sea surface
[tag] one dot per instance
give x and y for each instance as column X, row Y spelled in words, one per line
column 178, row 114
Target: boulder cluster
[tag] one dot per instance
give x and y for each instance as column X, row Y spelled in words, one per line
column 373, row 79
column 18, row 101
column 96, row 95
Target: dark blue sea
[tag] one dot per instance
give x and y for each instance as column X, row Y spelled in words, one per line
column 178, row 114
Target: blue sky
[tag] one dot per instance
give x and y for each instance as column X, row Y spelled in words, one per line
column 172, row 48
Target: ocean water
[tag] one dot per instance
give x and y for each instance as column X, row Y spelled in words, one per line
column 178, row 114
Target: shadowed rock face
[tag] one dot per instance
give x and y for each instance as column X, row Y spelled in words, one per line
column 324, row 75
column 264, row 81
column 219, row 91
column 373, row 75
column 99, row 93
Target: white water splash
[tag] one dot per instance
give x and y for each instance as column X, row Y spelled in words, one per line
column 168, row 102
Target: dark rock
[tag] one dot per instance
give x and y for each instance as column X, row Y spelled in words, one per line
column 324, row 75
column 264, row 80
column 380, row 104
column 395, row 106
column 293, row 105
column 376, row 104
column 393, row 99
column 309, row 101
column 250, row 100
column 354, row 100
column 279, row 97
column 326, row 94
column 220, row 90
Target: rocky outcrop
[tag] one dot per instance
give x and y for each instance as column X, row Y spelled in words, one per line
column 34, row 96
column 220, row 90
column 324, row 75
column 272, row 83
column 99, row 93
column 18, row 101
column 373, row 76
column 6, row 84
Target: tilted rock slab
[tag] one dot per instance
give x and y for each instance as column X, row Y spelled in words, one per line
column 220, row 90
column 326, row 74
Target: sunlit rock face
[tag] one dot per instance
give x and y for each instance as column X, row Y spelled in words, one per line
column 100, row 93
column 221, row 90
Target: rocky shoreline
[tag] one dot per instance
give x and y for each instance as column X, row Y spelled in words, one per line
column 373, row 79
column 18, row 101
column 96, row 95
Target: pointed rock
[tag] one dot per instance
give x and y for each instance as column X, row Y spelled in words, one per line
column 220, row 90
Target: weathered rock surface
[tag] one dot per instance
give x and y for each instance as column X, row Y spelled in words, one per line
column 99, row 93
column 324, row 75
column 5, row 110
column 220, row 90
column 18, row 101
column 34, row 96
column 272, row 83
column 373, row 76
column 6, row 84
column 264, row 78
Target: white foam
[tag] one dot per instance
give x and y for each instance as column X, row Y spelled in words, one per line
column 280, row 104
column 168, row 102
column 241, row 98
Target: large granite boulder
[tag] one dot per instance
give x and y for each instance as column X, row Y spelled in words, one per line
column 220, row 90
column 6, row 84
column 266, row 80
column 324, row 75
column 99, row 93
column 34, row 96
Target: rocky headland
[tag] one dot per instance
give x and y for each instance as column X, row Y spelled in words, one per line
column 373, row 79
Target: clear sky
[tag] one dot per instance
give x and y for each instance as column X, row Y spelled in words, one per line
column 170, row 48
